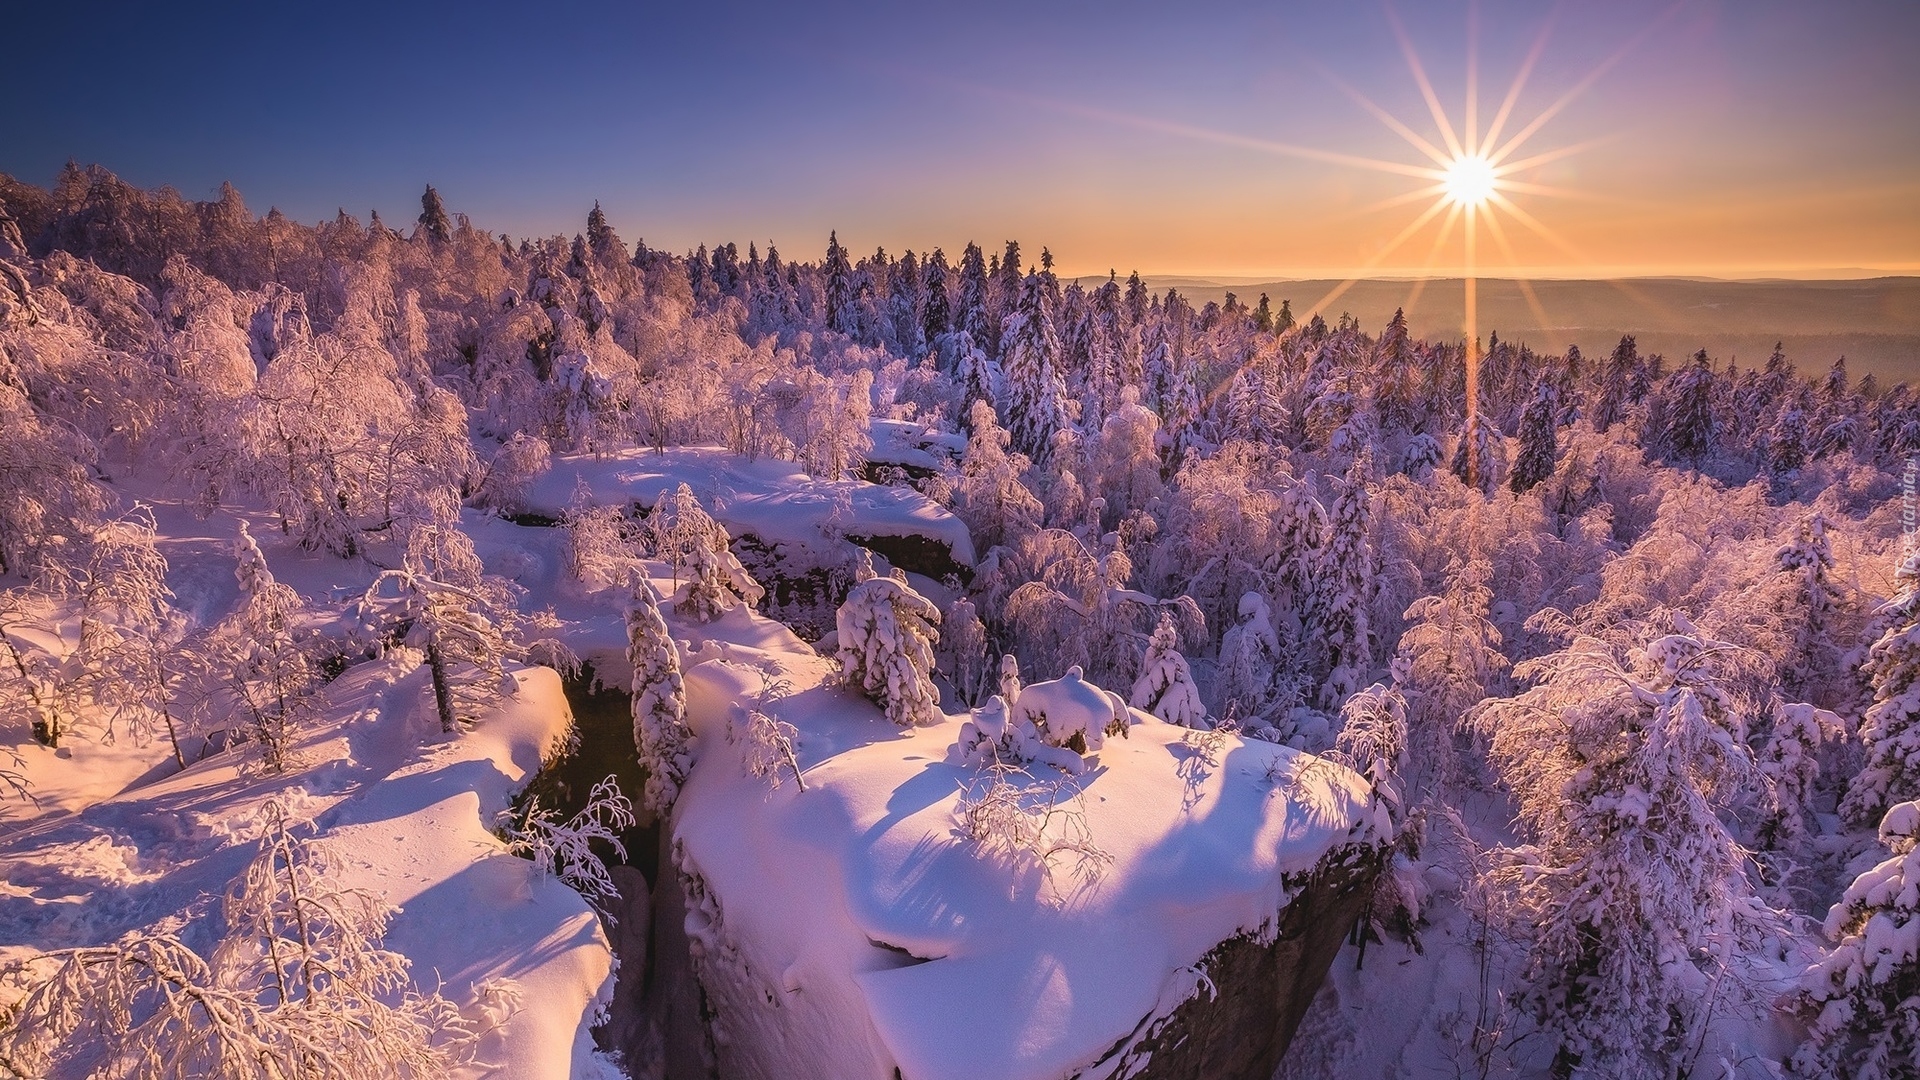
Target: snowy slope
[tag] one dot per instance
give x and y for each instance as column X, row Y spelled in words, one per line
column 396, row 808
column 819, row 907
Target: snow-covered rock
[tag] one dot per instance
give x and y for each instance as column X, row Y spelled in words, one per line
column 911, row 911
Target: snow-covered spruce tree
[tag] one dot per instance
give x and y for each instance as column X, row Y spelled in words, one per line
column 1165, row 686
column 1691, row 427
column 887, row 634
column 1249, row 654
column 1487, row 466
column 1890, row 730
column 259, row 665
column 1346, row 585
column 298, row 985
column 661, row 737
column 440, row 603
column 1632, row 895
column 1867, row 990
column 1790, row 761
column 1299, row 530
column 1036, row 395
column 1537, row 436
column 433, row 217
column 1810, row 556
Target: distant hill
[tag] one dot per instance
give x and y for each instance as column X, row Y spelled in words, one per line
column 1873, row 322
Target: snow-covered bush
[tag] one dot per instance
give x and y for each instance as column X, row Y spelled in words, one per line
column 1867, row 990
column 661, row 737
column 766, row 745
column 298, row 985
column 565, row 848
column 965, row 644
column 887, row 633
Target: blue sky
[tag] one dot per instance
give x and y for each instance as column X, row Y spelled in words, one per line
column 1741, row 137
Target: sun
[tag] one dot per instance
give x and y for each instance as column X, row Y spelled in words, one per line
column 1469, row 180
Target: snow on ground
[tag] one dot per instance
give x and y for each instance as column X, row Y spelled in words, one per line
column 771, row 499
column 857, row 930
column 395, row 807
column 122, row 841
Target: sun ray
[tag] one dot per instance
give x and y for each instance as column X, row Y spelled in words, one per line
column 1415, row 139
column 1581, row 87
column 1433, row 254
column 1547, row 157
column 1548, row 190
column 1426, row 86
column 1526, row 287
column 1624, row 288
column 1429, row 192
column 1185, row 131
column 1378, row 257
column 1519, row 82
column 1471, row 119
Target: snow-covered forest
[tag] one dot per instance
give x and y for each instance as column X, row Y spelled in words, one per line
column 317, row 541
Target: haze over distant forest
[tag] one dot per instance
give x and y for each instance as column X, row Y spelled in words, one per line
column 1873, row 321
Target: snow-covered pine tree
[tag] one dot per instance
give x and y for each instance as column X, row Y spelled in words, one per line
column 839, row 274
column 1632, row 895
column 887, row 634
column 1790, row 761
column 1890, row 730
column 1537, row 435
column 1488, row 465
column 661, row 737
column 1616, row 385
column 1867, row 990
column 1165, row 686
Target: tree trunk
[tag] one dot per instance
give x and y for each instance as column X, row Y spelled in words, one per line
column 442, row 694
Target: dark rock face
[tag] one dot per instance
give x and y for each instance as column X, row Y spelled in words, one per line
column 1262, row 989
